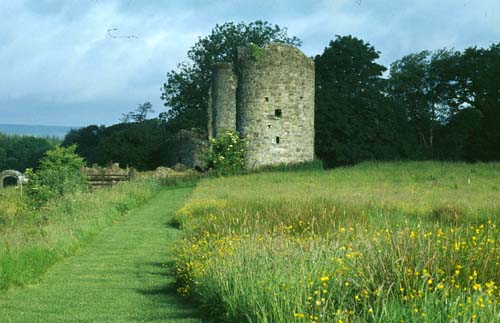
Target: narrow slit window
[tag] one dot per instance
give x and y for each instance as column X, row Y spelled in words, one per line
column 277, row 140
column 277, row 113
column 267, row 99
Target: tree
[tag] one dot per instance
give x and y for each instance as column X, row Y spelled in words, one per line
column 139, row 115
column 138, row 144
column 460, row 136
column 354, row 121
column 186, row 90
column 21, row 152
column 452, row 100
column 481, row 84
column 87, row 141
column 425, row 86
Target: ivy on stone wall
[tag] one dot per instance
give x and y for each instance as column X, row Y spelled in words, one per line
column 256, row 51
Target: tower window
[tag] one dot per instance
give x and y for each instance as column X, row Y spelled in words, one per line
column 277, row 140
column 267, row 99
column 277, row 113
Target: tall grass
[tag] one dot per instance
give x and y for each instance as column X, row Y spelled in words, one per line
column 31, row 241
column 379, row 242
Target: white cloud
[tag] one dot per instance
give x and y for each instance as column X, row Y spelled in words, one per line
column 58, row 54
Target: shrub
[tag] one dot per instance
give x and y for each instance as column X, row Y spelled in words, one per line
column 256, row 51
column 59, row 174
column 227, row 153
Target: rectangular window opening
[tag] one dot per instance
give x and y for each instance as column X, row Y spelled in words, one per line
column 277, row 113
column 267, row 99
column 277, row 140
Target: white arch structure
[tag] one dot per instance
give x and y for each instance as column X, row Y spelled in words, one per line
column 12, row 173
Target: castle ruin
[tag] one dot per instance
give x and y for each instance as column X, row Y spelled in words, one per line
column 268, row 97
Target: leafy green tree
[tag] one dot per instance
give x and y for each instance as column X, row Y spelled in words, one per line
column 87, row 141
column 354, row 121
column 482, row 92
column 185, row 91
column 137, row 144
column 460, row 136
column 423, row 84
column 452, row 100
column 21, row 152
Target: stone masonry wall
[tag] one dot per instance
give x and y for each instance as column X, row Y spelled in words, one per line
column 187, row 147
column 223, row 99
column 276, row 105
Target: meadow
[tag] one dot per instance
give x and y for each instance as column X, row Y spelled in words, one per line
column 33, row 240
column 378, row 242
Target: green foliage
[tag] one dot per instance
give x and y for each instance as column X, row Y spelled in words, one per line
column 59, row 174
column 21, row 152
column 354, row 121
column 378, row 242
column 227, row 153
column 256, row 52
column 451, row 100
column 418, row 86
column 185, row 91
column 435, row 105
column 142, row 145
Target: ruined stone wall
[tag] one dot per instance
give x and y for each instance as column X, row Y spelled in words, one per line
column 187, row 147
column 276, row 105
column 223, row 99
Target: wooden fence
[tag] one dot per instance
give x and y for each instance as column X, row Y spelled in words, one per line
column 106, row 178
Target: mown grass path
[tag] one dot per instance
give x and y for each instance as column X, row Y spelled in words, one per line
column 119, row 277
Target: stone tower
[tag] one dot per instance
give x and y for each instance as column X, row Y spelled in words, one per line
column 273, row 100
column 222, row 115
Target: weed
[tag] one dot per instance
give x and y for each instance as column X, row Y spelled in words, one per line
column 379, row 242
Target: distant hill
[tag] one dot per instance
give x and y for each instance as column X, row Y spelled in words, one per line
column 35, row 130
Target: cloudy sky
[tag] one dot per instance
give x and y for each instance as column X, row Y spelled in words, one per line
column 59, row 65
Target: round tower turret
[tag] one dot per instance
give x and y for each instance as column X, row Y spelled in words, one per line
column 276, row 104
column 223, row 99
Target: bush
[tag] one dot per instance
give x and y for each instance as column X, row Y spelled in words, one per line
column 59, row 174
column 227, row 153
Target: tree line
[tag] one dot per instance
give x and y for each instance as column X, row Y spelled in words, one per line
column 442, row 104
column 21, row 152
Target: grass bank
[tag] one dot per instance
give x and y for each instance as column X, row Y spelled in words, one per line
column 32, row 241
column 379, row 242
column 119, row 276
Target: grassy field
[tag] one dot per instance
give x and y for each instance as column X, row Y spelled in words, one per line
column 379, row 242
column 119, row 276
column 31, row 241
